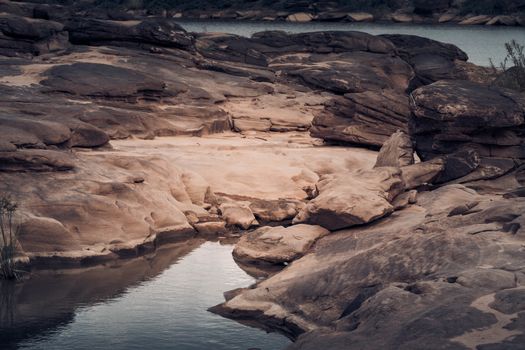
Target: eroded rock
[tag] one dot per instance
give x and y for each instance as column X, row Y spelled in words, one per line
column 453, row 115
column 396, row 278
column 351, row 199
column 276, row 245
column 432, row 60
column 238, row 215
column 367, row 118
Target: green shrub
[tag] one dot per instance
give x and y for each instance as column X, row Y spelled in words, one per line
column 9, row 232
column 512, row 67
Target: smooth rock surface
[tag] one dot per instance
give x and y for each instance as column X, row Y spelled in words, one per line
column 277, row 245
column 352, row 199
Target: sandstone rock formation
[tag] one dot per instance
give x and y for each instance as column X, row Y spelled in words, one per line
column 133, row 133
column 238, row 215
column 367, row 118
column 351, row 199
column 399, row 277
column 460, row 115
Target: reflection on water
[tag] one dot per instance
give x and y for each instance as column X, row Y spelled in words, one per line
column 480, row 42
column 147, row 303
column 7, row 301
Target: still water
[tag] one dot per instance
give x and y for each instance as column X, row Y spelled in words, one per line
column 157, row 303
column 480, row 42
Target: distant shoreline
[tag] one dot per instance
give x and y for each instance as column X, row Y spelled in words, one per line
column 378, row 21
column 516, row 20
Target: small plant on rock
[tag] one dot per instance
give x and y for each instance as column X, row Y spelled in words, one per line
column 512, row 67
column 9, row 232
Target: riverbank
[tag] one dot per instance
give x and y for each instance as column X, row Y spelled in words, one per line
column 403, row 16
column 469, row 12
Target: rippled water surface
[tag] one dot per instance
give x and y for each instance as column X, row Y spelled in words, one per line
column 92, row 310
column 480, row 42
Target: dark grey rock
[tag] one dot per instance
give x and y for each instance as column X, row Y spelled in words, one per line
column 21, row 36
column 101, row 80
column 153, row 31
column 509, row 301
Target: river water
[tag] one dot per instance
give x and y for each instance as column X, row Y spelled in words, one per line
column 481, row 43
column 158, row 303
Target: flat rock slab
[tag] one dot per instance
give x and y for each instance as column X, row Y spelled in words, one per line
column 265, row 166
column 101, row 80
column 276, row 245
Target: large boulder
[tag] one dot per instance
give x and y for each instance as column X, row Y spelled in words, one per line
column 110, row 205
column 449, row 115
column 275, row 210
column 277, row 245
column 351, row 199
column 239, row 215
column 468, row 105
